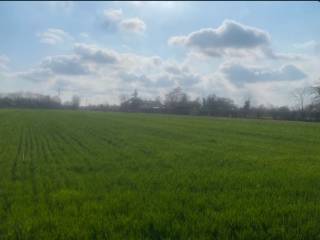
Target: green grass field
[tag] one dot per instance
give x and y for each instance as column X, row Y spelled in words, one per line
column 90, row 175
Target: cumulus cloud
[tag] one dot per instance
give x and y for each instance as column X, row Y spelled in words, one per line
column 115, row 20
column 83, row 62
column 156, row 60
column 240, row 74
column 187, row 80
column 232, row 40
column 160, row 81
column 112, row 17
column 133, row 24
column 53, row 36
column 101, row 70
column 173, row 69
column 65, row 65
column 230, row 36
column 132, row 77
column 95, row 54
column 163, row 81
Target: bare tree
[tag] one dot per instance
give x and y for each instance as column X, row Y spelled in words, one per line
column 75, row 101
column 176, row 101
column 246, row 107
column 316, row 94
column 213, row 105
column 300, row 97
column 132, row 103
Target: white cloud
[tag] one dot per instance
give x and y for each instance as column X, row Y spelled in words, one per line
column 105, row 74
column 231, row 37
column 95, row 54
column 232, row 40
column 115, row 20
column 133, row 25
column 65, row 65
column 53, row 36
column 100, row 70
column 83, row 62
column 173, row 69
column 240, row 74
column 112, row 17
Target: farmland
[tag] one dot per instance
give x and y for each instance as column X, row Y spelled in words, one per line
column 93, row 175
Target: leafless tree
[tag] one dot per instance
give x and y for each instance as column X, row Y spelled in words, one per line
column 301, row 97
column 316, row 94
column 76, row 101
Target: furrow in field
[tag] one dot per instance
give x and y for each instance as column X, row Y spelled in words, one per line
column 71, row 136
column 78, row 148
column 5, row 206
column 45, row 163
column 35, row 162
column 53, row 179
column 7, row 148
column 104, row 136
column 50, row 146
column 97, row 141
column 50, row 176
column 50, row 149
column 11, row 139
column 59, row 153
column 41, row 142
column 19, row 155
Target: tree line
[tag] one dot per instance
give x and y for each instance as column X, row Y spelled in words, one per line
column 34, row 100
column 179, row 102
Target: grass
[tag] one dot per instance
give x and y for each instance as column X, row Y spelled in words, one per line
column 90, row 175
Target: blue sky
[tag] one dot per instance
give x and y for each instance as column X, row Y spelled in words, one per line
column 261, row 50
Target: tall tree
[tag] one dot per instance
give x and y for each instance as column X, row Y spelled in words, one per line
column 300, row 96
column 75, row 102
